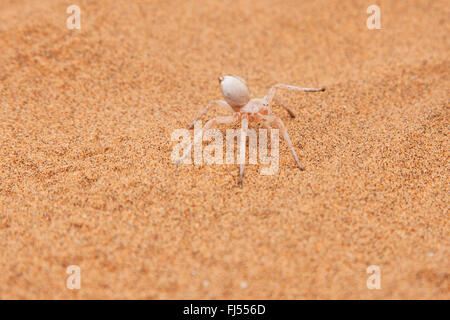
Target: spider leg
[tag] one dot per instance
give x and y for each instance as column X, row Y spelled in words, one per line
column 277, row 123
column 221, row 103
column 199, row 135
column 271, row 94
column 244, row 129
column 285, row 107
column 291, row 87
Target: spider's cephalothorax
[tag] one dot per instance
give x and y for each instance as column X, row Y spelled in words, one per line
column 244, row 109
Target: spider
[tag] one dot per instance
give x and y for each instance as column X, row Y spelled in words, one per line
column 237, row 100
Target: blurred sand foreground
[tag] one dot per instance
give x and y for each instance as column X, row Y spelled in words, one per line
column 86, row 177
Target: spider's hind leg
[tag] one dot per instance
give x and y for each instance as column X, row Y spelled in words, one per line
column 242, row 145
column 276, row 121
column 199, row 135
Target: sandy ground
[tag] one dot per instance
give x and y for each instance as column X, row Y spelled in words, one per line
column 86, row 177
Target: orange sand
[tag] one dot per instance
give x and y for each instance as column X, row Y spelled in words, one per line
column 86, row 177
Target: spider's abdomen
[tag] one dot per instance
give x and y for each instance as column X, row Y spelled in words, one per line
column 234, row 91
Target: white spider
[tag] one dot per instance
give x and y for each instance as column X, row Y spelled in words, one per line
column 237, row 100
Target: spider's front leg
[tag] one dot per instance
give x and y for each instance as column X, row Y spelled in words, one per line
column 285, row 107
column 221, row 103
column 271, row 95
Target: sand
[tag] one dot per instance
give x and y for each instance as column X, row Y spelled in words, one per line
column 86, row 177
